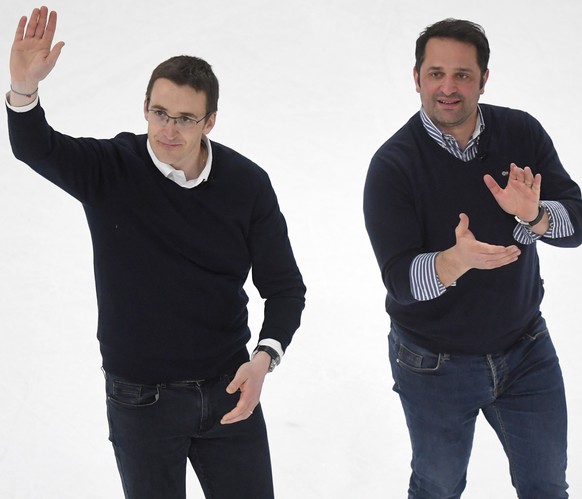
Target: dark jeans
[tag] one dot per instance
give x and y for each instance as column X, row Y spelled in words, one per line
column 155, row 429
column 520, row 392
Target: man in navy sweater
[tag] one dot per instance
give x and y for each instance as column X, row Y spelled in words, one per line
column 177, row 222
column 454, row 203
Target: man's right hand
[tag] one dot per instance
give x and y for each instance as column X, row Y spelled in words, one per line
column 32, row 57
column 468, row 253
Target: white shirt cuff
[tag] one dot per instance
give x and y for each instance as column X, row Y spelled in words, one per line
column 274, row 344
column 22, row 109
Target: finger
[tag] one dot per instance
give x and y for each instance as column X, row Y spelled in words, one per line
column 241, row 412
column 51, row 26
column 516, row 173
column 500, row 252
column 33, row 21
column 41, row 24
column 506, row 259
column 528, row 176
column 537, row 182
column 20, row 29
column 236, row 415
column 499, row 255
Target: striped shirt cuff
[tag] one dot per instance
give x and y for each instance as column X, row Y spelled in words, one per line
column 560, row 225
column 424, row 282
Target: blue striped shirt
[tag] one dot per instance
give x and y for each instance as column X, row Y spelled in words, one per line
column 449, row 143
column 424, row 281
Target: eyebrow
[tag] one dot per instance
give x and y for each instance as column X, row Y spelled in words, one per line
column 440, row 68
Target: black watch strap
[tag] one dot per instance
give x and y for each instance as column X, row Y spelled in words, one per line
column 537, row 219
column 275, row 357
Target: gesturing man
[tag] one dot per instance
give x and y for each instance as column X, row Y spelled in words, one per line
column 177, row 223
column 454, row 204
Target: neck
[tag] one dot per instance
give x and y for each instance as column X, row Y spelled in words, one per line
column 462, row 132
column 198, row 165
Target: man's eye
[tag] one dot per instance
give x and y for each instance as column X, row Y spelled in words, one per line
column 184, row 120
column 159, row 114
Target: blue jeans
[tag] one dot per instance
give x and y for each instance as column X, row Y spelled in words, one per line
column 521, row 393
column 155, row 429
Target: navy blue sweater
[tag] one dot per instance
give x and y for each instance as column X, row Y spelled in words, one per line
column 170, row 263
column 413, row 195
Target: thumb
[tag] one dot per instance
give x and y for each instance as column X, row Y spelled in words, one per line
column 54, row 54
column 235, row 384
column 232, row 387
column 492, row 184
column 463, row 223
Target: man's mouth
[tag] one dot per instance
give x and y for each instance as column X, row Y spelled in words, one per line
column 167, row 145
column 448, row 102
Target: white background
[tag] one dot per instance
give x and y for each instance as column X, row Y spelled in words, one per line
column 309, row 90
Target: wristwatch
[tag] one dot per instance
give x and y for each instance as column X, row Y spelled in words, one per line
column 275, row 357
column 536, row 220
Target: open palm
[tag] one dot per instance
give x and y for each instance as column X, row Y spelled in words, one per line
column 521, row 196
column 32, row 57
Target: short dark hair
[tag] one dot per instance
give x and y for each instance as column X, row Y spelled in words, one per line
column 191, row 71
column 460, row 30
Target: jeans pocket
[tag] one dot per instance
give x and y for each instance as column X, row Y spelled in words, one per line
column 536, row 335
column 537, row 329
column 418, row 361
column 126, row 394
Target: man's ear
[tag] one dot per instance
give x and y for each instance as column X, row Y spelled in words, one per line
column 209, row 123
column 484, row 79
column 416, row 77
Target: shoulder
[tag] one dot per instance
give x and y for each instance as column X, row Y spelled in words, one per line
column 228, row 163
column 130, row 141
column 506, row 116
column 405, row 145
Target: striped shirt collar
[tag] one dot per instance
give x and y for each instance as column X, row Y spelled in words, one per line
column 449, row 143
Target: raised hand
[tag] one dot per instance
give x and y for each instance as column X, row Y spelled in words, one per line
column 33, row 57
column 521, row 196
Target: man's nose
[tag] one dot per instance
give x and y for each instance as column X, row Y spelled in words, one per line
column 448, row 85
column 170, row 126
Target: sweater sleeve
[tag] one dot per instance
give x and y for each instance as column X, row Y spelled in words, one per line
column 274, row 270
column 393, row 224
column 559, row 192
column 73, row 164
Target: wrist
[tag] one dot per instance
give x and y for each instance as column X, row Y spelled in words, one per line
column 24, row 89
column 267, row 353
column 530, row 222
column 22, row 94
column 263, row 360
column 449, row 266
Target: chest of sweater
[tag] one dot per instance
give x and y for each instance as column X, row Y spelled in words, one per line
column 442, row 187
column 152, row 220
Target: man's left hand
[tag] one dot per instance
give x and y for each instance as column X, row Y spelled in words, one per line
column 521, row 196
column 249, row 381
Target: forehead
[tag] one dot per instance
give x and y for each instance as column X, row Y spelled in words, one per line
column 450, row 53
column 175, row 98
